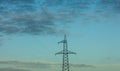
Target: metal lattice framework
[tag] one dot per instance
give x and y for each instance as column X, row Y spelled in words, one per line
column 65, row 52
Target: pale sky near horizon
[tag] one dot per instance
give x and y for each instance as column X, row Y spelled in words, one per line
column 30, row 30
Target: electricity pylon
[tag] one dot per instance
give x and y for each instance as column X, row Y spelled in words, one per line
column 65, row 52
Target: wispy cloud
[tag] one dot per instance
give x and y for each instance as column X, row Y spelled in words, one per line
column 13, row 69
column 26, row 64
column 32, row 23
column 36, row 17
column 83, row 65
column 40, row 64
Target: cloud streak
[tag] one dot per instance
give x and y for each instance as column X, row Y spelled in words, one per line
column 17, row 17
column 12, row 69
column 40, row 64
column 28, row 24
column 36, row 17
column 83, row 65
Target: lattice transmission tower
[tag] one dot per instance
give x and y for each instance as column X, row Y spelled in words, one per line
column 65, row 52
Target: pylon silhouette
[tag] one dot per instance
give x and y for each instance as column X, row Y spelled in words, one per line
column 65, row 52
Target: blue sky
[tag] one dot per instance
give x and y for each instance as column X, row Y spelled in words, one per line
column 30, row 30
